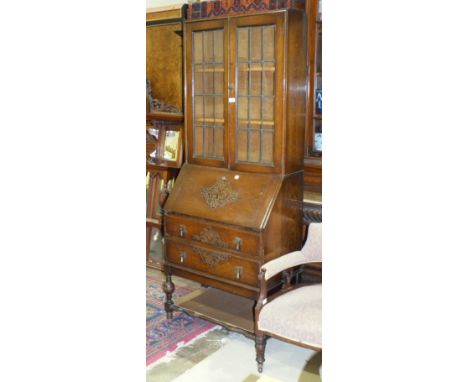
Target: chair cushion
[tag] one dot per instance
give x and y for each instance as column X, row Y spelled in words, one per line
column 295, row 315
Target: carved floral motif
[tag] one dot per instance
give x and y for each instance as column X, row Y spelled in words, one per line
column 210, row 236
column 210, row 258
column 219, row 194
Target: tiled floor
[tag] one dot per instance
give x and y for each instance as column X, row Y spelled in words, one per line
column 220, row 356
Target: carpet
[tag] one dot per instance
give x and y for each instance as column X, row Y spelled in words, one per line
column 164, row 336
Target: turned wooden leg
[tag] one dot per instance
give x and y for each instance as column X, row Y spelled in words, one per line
column 148, row 241
column 168, row 288
column 260, row 343
column 299, row 275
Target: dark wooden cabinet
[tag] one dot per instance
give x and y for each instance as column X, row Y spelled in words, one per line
column 237, row 201
column 164, row 151
column 313, row 136
column 164, row 122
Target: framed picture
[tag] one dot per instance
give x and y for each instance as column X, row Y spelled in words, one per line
column 164, row 137
column 171, row 146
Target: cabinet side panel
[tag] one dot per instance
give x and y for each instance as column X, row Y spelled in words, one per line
column 284, row 230
column 296, row 90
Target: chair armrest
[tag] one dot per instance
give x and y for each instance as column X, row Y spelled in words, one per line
column 313, row 245
column 284, row 262
column 271, row 269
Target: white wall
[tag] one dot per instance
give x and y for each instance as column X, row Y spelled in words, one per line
column 162, row 3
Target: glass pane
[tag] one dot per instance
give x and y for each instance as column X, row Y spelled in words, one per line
column 267, row 147
column 269, row 43
column 208, row 90
column 209, row 141
column 208, row 47
column 218, row 79
column 198, row 108
column 198, row 144
column 255, row 112
column 209, row 110
column 242, row 145
column 243, row 44
column 219, row 142
column 198, row 80
column 255, row 94
column 255, row 44
column 268, row 79
column 267, row 112
column 256, row 80
column 243, row 79
column 209, row 79
column 218, row 46
column 254, row 146
column 219, row 111
column 242, row 109
column 197, row 48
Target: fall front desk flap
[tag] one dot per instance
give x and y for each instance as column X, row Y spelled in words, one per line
column 225, row 196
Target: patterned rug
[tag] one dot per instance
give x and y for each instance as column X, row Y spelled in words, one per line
column 164, row 336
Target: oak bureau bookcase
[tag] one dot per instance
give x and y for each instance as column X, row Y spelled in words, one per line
column 237, row 202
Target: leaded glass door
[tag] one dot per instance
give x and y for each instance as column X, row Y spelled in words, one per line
column 207, row 87
column 255, row 93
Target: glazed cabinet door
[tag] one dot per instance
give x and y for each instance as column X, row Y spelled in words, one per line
column 206, row 93
column 256, row 92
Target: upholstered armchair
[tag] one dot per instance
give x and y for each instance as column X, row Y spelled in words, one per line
column 294, row 314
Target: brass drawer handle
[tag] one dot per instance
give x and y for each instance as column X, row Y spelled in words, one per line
column 182, row 230
column 237, row 243
column 183, row 256
column 238, row 271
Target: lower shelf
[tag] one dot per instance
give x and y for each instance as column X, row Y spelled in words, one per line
column 231, row 311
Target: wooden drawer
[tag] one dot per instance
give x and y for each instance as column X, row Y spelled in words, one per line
column 212, row 262
column 214, row 235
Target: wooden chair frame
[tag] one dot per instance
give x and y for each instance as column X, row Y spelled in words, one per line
column 262, row 335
